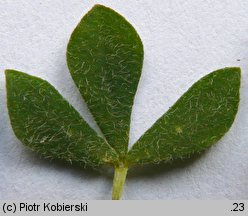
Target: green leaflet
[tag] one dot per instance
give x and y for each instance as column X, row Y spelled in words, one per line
column 105, row 56
column 49, row 125
column 195, row 122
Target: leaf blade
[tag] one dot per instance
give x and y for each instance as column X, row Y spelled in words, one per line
column 105, row 57
column 45, row 122
column 195, row 122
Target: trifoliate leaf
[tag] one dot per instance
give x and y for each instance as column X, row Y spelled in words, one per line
column 45, row 122
column 195, row 122
column 105, row 56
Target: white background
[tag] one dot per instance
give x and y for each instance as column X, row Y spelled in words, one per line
column 183, row 40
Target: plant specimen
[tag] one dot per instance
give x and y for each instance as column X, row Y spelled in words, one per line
column 105, row 57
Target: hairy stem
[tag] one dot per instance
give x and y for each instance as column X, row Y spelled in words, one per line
column 119, row 181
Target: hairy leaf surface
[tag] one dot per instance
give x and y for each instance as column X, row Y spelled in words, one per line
column 195, row 122
column 45, row 122
column 105, row 57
